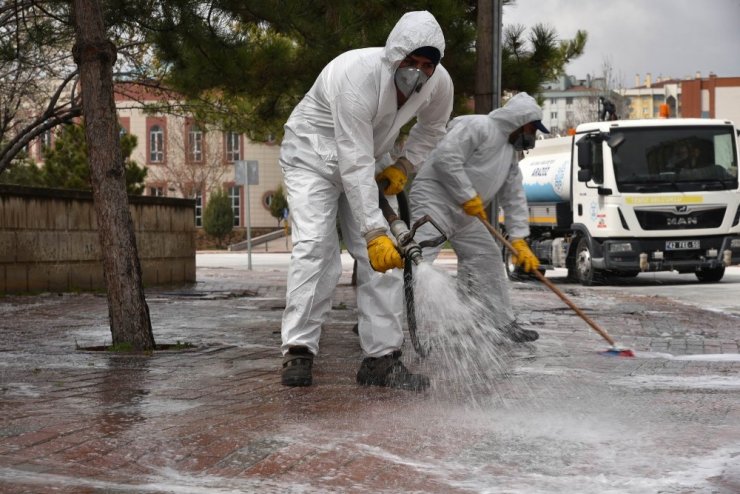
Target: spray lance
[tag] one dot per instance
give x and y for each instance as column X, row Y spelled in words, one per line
column 411, row 252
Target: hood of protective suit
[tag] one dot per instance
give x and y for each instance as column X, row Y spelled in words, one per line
column 518, row 111
column 412, row 31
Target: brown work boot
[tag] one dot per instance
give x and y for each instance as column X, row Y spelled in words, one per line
column 518, row 334
column 389, row 371
column 297, row 364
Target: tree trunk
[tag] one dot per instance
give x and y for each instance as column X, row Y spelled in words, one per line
column 95, row 55
column 484, row 58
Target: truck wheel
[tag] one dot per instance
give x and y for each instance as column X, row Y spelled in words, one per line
column 710, row 275
column 584, row 270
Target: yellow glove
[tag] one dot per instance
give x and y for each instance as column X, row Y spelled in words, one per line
column 383, row 254
column 474, row 207
column 524, row 256
column 396, row 175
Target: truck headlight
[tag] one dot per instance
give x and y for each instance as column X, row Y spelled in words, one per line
column 620, row 247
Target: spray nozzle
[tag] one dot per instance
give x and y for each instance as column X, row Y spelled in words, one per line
column 410, row 249
column 406, row 244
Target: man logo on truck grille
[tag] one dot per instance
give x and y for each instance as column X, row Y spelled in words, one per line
column 682, row 209
column 683, row 221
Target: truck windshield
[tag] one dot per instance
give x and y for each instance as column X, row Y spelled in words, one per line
column 670, row 159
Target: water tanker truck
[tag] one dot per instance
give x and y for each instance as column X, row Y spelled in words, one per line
column 622, row 197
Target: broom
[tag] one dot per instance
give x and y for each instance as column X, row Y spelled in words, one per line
column 614, row 349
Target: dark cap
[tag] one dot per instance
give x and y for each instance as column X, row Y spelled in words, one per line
column 429, row 52
column 540, row 126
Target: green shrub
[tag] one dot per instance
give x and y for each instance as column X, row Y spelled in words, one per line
column 278, row 204
column 218, row 217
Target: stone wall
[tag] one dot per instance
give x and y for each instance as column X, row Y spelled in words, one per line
column 49, row 240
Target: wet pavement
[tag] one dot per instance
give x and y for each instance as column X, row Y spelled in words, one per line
column 551, row 417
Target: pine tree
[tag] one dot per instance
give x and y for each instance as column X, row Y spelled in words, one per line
column 65, row 164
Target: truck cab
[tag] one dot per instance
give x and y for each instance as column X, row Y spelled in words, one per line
column 642, row 195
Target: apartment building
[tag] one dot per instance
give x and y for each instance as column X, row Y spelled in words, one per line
column 569, row 101
column 644, row 100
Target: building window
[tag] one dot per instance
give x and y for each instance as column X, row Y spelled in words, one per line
column 155, row 191
column 554, row 115
column 195, row 144
column 156, row 144
column 569, row 100
column 46, row 139
column 234, row 195
column 233, row 147
column 198, row 196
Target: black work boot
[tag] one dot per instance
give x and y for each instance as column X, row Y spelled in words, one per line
column 518, row 334
column 389, row 371
column 297, row 365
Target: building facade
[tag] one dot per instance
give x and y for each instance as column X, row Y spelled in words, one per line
column 645, row 99
column 568, row 102
column 186, row 159
column 712, row 97
column 697, row 97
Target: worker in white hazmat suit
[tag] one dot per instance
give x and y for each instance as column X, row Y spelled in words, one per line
column 475, row 161
column 334, row 154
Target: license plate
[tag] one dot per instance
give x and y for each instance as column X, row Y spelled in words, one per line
column 682, row 245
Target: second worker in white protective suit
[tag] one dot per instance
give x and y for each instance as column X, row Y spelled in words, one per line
column 474, row 162
column 337, row 143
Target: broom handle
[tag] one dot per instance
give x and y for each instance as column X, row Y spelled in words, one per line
column 552, row 287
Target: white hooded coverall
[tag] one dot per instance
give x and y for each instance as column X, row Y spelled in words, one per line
column 336, row 140
column 475, row 157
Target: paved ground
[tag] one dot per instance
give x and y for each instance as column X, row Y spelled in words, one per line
column 553, row 417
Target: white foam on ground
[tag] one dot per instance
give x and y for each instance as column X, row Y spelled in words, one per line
column 702, row 357
column 683, row 382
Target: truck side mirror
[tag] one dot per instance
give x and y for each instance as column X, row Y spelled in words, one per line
column 585, row 156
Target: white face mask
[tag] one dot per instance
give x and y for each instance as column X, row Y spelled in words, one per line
column 410, row 79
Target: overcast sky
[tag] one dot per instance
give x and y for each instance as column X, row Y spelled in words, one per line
column 672, row 38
